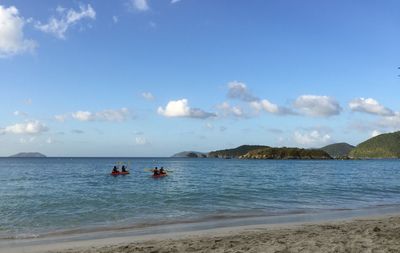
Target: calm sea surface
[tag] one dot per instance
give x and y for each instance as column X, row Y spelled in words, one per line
column 41, row 196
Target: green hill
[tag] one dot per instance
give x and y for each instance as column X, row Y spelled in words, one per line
column 234, row 152
column 338, row 150
column 381, row 146
column 286, row 153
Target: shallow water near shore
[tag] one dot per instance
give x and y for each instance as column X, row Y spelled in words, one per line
column 50, row 196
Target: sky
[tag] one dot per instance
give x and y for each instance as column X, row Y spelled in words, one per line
column 148, row 78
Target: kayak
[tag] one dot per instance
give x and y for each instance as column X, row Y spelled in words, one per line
column 158, row 176
column 119, row 173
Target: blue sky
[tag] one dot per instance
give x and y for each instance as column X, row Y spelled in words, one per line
column 155, row 77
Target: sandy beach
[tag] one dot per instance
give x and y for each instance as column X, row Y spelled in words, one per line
column 376, row 234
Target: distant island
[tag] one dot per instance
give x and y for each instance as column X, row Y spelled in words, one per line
column 28, row 155
column 384, row 146
column 266, row 152
column 190, row 154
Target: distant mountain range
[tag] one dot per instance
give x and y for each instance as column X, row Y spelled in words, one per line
column 379, row 147
column 29, row 155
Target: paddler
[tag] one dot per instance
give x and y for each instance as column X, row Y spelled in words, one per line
column 123, row 169
column 115, row 169
column 162, row 171
column 156, row 172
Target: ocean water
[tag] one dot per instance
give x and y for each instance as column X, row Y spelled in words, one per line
column 40, row 197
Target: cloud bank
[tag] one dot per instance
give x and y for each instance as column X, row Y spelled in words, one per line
column 105, row 115
column 370, row 106
column 311, row 138
column 317, row 106
column 12, row 39
column 29, row 127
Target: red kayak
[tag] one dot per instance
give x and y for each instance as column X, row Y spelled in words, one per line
column 160, row 175
column 119, row 173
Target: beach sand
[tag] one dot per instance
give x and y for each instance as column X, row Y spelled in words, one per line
column 357, row 235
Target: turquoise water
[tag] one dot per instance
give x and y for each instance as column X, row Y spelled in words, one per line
column 60, row 195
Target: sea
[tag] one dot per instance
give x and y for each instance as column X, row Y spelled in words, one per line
column 41, row 197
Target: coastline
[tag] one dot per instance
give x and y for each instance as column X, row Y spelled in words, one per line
column 357, row 230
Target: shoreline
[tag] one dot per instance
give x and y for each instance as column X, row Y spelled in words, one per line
column 206, row 222
column 193, row 232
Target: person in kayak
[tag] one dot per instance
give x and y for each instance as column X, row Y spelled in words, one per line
column 156, row 172
column 162, row 171
column 115, row 169
column 123, row 169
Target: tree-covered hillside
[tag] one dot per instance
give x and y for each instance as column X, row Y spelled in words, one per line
column 381, row 146
column 286, row 153
column 338, row 150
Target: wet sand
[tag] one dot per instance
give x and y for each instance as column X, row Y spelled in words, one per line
column 376, row 234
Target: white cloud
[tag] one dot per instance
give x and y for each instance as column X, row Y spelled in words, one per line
column 12, row 40
column 140, row 140
column 180, row 108
column 319, row 106
column 106, row 115
column 375, row 133
column 311, row 138
column 20, row 113
column 390, row 121
column 369, row 105
column 29, row 127
column 61, row 117
column 270, row 107
column 83, row 116
column 59, row 26
column 175, row 1
column 227, row 110
column 49, row 140
column 115, row 19
column 148, row 96
column 140, row 5
column 238, row 90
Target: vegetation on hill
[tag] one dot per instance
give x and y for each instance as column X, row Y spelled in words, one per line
column 234, row 152
column 381, row 146
column 286, row 153
column 338, row 150
column 29, row 155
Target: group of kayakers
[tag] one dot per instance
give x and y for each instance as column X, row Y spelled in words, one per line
column 156, row 171
column 115, row 169
column 159, row 172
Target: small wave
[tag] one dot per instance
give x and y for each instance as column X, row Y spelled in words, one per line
column 20, row 236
